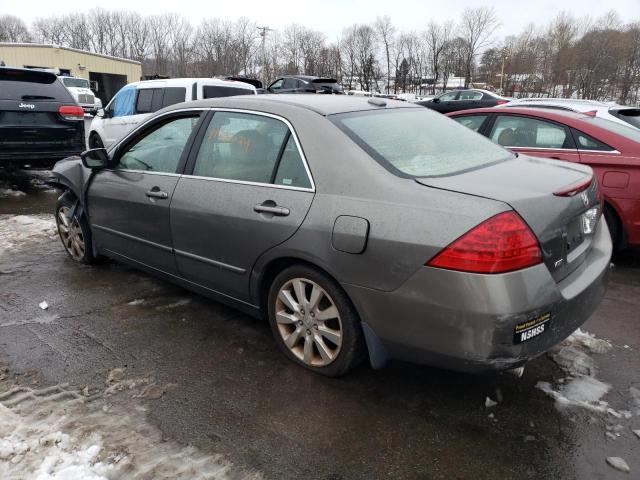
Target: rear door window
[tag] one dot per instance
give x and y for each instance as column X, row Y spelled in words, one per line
column 527, row 132
column 218, row 91
column 240, row 146
column 144, row 103
column 470, row 95
column 173, row 95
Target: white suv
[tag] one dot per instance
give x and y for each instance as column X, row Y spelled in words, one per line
column 609, row 111
column 136, row 101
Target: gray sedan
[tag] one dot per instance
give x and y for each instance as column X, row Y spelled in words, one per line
column 360, row 228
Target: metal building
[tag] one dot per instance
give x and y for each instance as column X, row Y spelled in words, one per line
column 107, row 74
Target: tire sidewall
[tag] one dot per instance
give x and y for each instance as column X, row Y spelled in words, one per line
column 351, row 350
column 87, row 258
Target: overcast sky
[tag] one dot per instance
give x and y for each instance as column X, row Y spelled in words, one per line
column 331, row 16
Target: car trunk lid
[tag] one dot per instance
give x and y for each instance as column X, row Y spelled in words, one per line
column 528, row 186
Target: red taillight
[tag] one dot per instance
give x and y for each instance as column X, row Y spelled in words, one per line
column 500, row 244
column 71, row 112
column 501, row 102
column 574, row 188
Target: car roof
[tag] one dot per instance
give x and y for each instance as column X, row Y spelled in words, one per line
column 187, row 82
column 321, row 104
column 559, row 115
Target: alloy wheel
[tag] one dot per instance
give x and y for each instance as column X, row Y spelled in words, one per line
column 71, row 234
column 309, row 322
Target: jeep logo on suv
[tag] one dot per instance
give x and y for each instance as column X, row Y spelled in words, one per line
column 27, row 105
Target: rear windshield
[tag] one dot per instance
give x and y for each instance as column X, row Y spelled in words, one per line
column 629, row 115
column 615, row 127
column 417, row 142
column 217, row 91
column 326, row 84
column 31, row 86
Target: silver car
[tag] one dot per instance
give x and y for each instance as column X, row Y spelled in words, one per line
column 361, row 228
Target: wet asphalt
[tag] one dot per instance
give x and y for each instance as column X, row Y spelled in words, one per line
column 236, row 395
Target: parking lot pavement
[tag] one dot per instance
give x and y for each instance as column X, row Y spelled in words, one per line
column 132, row 374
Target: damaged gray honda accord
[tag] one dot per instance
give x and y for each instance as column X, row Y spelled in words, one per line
column 358, row 227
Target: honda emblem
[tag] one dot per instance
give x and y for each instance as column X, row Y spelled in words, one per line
column 585, row 198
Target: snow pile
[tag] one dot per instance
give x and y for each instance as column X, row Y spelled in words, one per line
column 9, row 192
column 17, row 231
column 60, row 434
column 583, row 391
column 580, row 388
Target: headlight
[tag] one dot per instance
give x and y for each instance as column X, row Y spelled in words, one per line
column 590, row 220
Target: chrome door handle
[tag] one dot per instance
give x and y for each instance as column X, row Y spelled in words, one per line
column 278, row 211
column 157, row 194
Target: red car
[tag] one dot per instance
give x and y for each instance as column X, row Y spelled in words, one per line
column 611, row 149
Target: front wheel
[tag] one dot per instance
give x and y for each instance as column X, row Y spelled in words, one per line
column 314, row 322
column 74, row 232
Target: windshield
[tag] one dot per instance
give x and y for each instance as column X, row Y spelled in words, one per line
column 615, row 127
column 75, row 82
column 417, row 142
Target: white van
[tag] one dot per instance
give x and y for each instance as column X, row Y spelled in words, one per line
column 136, row 101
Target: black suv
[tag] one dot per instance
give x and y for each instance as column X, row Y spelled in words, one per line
column 40, row 122
column 305, row 84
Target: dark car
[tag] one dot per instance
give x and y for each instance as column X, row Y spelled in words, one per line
column 40, row 122
column 305, row 84
column 611, row 149
column 463, row 100
column 352, row 224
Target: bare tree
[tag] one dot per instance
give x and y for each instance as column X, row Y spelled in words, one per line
column 13, row 29
column 386, row 32
column 476, row 28
column 437, row 37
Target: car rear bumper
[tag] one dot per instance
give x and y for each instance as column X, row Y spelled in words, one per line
column 467, row 322
column 37, row 158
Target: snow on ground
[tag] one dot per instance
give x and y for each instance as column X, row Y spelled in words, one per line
column 18, row 231
column 9, row 192
column 580, row 388
column 58, row 433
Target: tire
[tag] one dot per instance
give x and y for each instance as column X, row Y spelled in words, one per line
column 323, row 339
column 615, row 228
column 74, row 233
column 95, row 141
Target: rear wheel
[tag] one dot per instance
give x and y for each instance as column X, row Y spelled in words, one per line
column 74, row 232
column 95, row 141
column 314, row 322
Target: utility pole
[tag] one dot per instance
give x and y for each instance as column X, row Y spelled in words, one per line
column 263, row 34
column 504, row 57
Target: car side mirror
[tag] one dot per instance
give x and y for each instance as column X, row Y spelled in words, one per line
column 95, row 159
column 100, row 112
column 436, row 100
